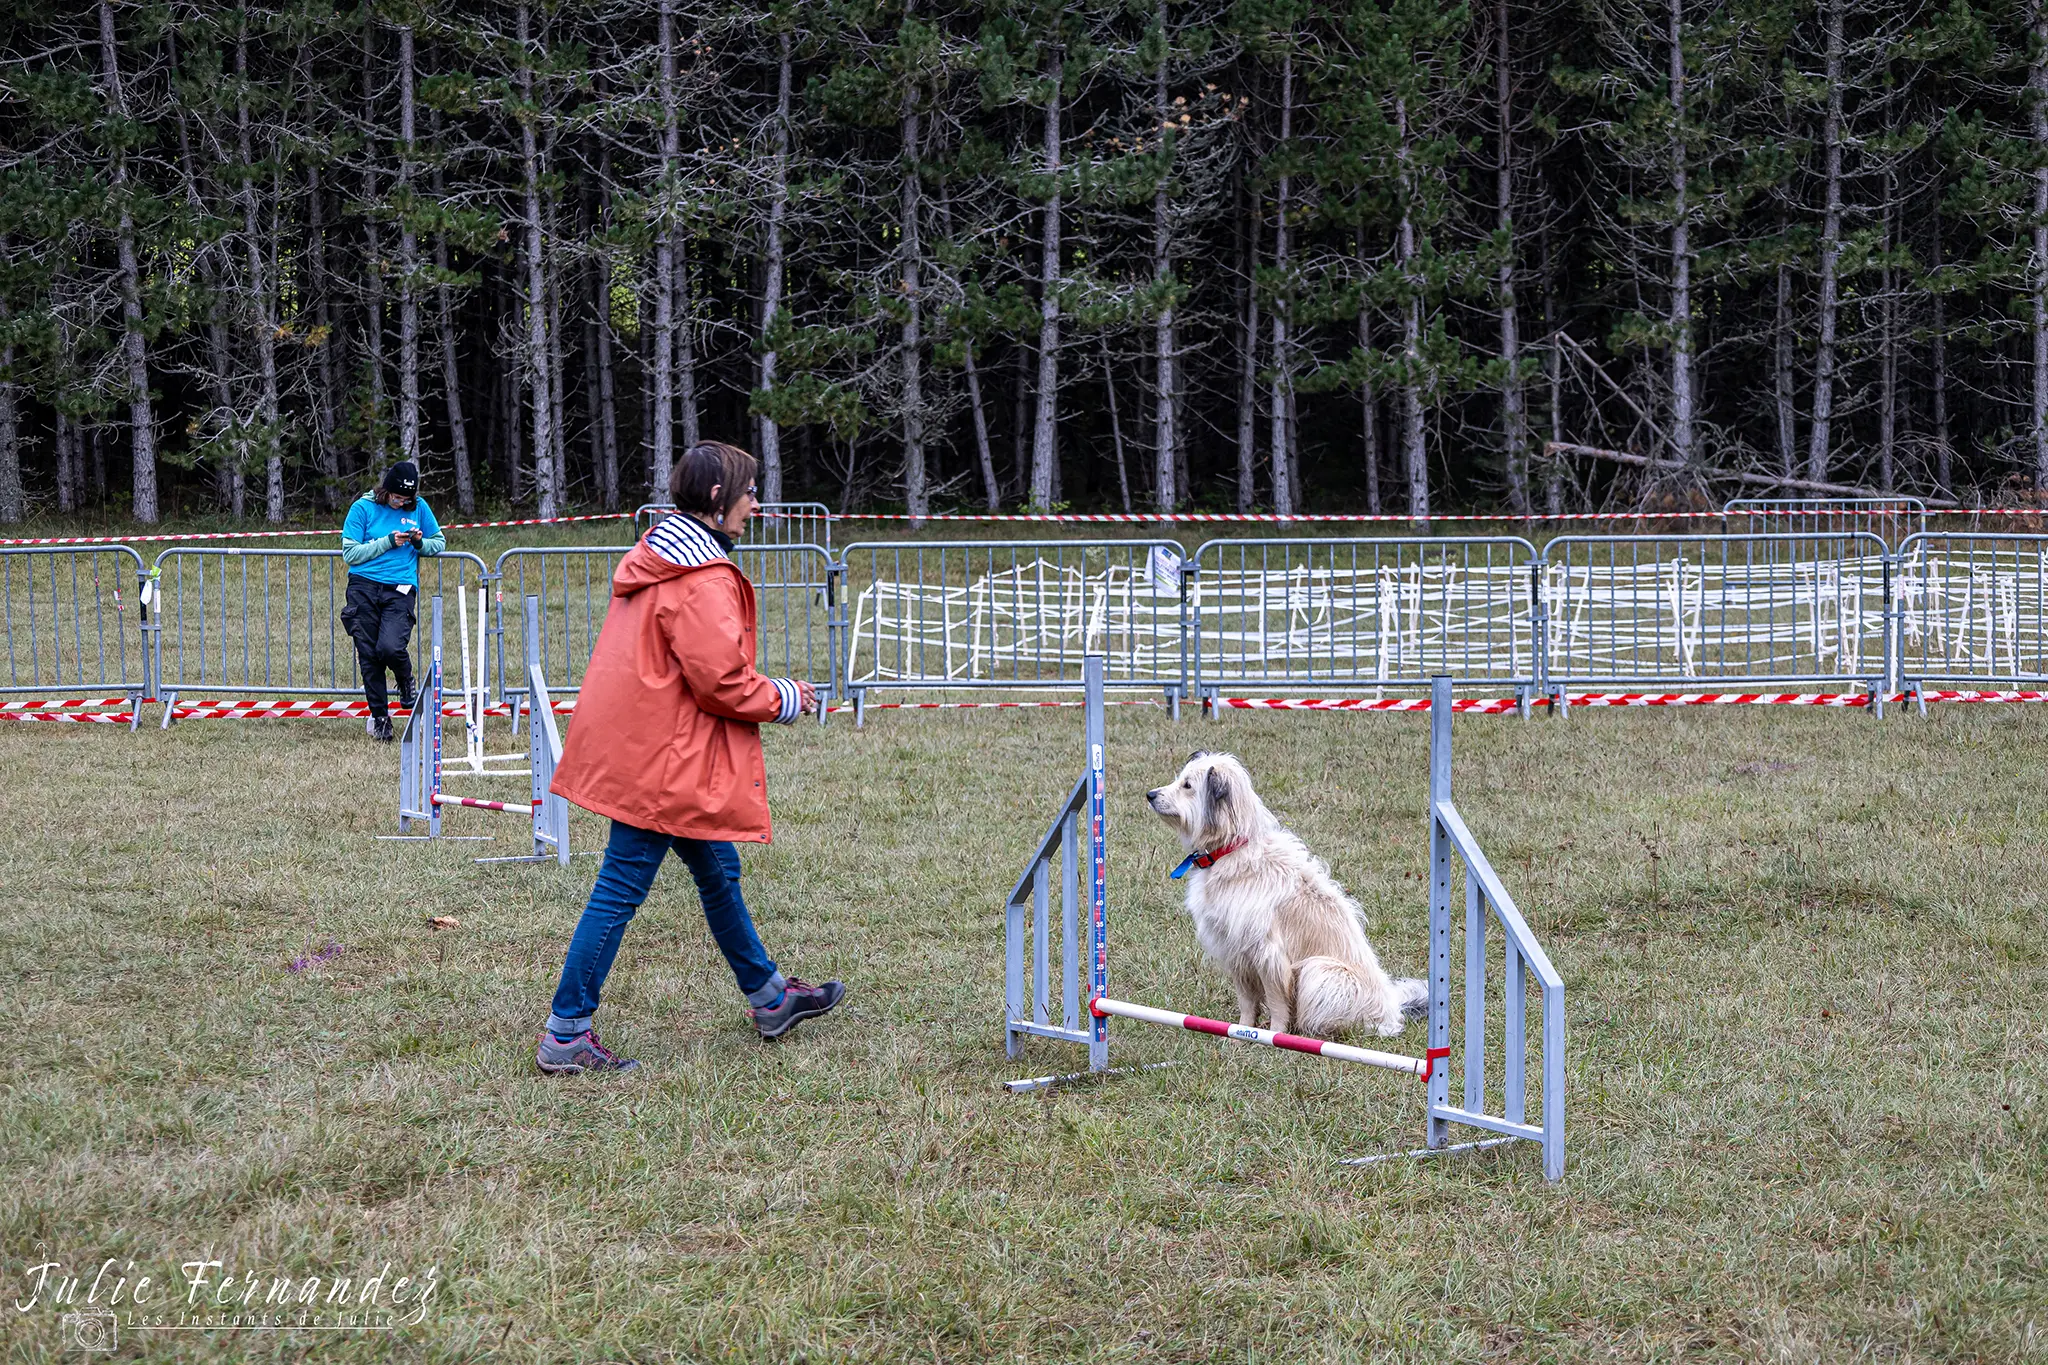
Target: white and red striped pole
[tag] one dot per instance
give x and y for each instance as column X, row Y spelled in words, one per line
column 1286, row 1042
column 516, row 807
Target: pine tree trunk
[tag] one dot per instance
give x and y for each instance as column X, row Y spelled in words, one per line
column 1553, row 470
column 1369, row 398
column 546, row 494
column 1681, row 253
column 134, row 347
column 1020, row 418
column 1414, row 446
column 325, row 457
column 684, row 296
column 265, row 327
column 451, row 375
column 1116, row 429
column 408, row 269
column 916, row 495
column 231, row 474
column 1514, row 415
column 1888, row 356
column 512, row 377
column 1943, row 452
column 373, row 259
column 1781, row 365
column 1248, row 358
column 2037, row 81
column 662, row 366
column 771, row 291
column 1820, row 436
column 601, row 362
column 1166, row 447
column 1045, row 452
column 991, row 491
column 67, row 464
column 1283, row 369
column 557, row 368
column 12, row 507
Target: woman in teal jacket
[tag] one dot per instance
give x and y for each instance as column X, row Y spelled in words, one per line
column 387, row 531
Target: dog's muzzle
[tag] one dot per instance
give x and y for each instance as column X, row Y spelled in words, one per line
column 1152, row 798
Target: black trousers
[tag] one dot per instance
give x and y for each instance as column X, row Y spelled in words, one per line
column 379, row 618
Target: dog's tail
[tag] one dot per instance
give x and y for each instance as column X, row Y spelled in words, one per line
column 1332, row 995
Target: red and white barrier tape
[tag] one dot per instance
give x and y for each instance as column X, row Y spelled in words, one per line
column 283, row 532
column 1106, row 519
column 1724, row 699
column 1485, row 706
column 60, row 703
column 1402, row 518
column 346, row 708
column 982, row 705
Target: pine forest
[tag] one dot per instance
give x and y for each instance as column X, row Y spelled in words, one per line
column 1401, row 256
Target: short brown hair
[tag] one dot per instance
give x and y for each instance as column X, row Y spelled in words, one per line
column 710, row 465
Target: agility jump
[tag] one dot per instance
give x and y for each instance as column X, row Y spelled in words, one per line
column 422, row 769
column 1028, row 930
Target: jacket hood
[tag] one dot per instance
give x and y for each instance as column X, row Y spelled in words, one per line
column 676, row 546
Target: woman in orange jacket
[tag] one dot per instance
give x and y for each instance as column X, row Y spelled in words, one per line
column 667, row 743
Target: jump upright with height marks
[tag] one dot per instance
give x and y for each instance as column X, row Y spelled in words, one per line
column 1028, row 933
column 422, row 767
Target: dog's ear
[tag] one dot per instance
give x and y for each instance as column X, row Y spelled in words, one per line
column 1199, row 753
column 1219, row 787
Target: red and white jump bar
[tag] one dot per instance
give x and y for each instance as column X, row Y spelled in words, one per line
column 516, row 807
column 1195, row 1023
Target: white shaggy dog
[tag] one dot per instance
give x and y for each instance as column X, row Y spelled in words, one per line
column 1267, row 912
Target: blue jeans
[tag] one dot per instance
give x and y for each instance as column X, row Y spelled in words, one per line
column 631, row 859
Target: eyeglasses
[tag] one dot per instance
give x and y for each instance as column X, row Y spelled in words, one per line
column 754, row 492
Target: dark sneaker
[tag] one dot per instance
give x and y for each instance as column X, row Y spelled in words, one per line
column 581, row 1053
column 407, row 697
column 382, row 729
column 800, row 1000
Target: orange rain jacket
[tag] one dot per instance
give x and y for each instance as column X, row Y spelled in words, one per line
column 666, row 734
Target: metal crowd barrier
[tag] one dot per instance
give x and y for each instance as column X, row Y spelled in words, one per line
column 1971, row 608
column 774, row 523
column 1697, row 611
column 76, row 619
column 1012, row 615
column 1351, row 615
column 794, row 597
column 1889, row 519
column 269, row 621
column 1339, row 617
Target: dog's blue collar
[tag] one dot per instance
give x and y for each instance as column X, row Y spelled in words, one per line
column 1200, row 859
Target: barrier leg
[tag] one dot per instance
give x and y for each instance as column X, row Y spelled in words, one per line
column 1013, row 976
column 1098, row 870
column 1437, row 1129
column 431, row 695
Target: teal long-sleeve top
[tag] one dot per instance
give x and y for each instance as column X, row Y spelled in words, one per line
column 367, row 546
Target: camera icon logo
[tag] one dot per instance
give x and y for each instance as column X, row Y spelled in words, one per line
column 95, row 1331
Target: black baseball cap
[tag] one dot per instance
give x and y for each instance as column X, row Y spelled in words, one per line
column 403, row 477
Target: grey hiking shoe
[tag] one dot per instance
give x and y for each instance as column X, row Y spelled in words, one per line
column 800, row 1000
column 581, row 1053
column 380, row 726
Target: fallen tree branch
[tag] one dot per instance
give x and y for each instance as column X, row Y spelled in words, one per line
column 1553, row 449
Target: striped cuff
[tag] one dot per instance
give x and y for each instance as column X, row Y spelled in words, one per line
column 792, row 701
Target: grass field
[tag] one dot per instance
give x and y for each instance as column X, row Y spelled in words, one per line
column 1803, row 956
